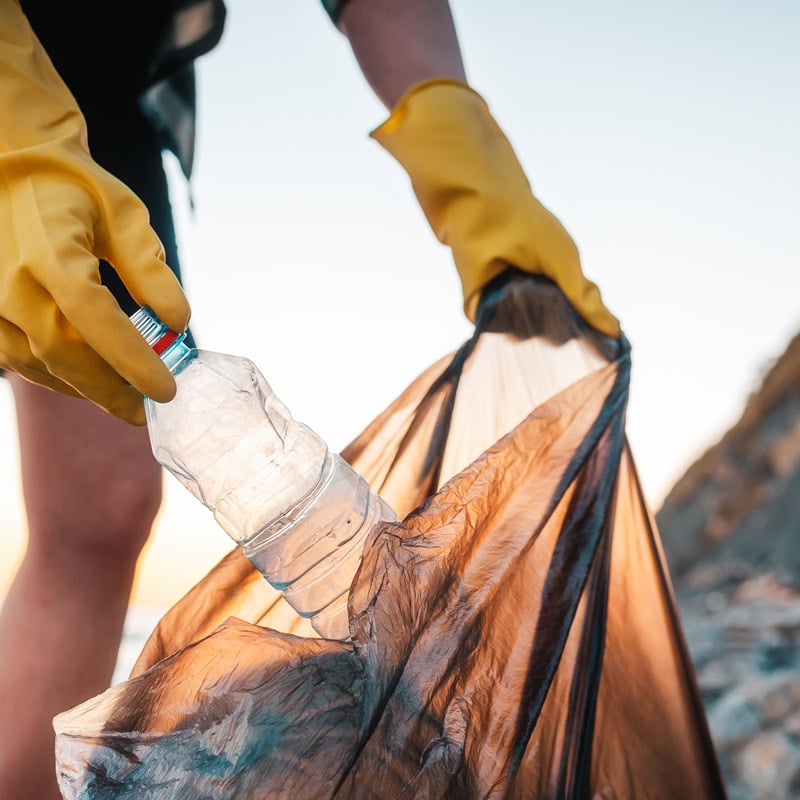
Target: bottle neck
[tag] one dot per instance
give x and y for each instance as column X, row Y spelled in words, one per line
column 168, row 344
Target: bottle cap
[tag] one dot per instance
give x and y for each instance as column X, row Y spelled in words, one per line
column 167, row 343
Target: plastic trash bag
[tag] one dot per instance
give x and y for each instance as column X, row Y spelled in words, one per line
column 514, row 635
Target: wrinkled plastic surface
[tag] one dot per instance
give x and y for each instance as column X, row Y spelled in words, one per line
column 514, row 635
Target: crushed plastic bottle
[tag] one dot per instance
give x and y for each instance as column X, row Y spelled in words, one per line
column 300, row 512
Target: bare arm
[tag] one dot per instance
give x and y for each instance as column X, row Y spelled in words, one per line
column 399, row 44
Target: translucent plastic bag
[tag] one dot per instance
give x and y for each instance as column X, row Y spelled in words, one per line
column 514, row 635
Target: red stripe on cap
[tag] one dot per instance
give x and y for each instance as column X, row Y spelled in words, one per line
column 165, row 341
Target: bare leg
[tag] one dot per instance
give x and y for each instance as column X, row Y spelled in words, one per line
column 92, row 490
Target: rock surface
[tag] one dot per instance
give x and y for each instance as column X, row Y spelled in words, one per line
column 731, row 534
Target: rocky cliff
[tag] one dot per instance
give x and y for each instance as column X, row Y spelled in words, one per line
column 731, row 533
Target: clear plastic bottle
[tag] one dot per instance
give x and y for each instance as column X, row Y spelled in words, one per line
column 300, row 512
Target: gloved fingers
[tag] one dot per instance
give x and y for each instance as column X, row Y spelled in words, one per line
column 69, row 226
column 98, row 382
column 72, row 361
column 584, row 296
column 16, row 356
column 75, row 327
column 91, row 338
column 136, row 253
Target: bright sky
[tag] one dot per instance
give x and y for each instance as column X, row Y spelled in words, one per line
column 664, row 136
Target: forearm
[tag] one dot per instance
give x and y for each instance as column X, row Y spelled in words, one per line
column 399, row 44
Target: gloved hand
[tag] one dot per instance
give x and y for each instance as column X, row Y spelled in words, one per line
column 477, row 199
column 59, row 214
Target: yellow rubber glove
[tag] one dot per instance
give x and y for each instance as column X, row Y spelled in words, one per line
column 477, row 199
column 59, row 213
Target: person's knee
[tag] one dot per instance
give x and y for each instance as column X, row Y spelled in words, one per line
column 111, row 521
column 125, row 513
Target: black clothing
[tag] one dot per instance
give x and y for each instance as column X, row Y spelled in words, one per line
column 142, row 53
